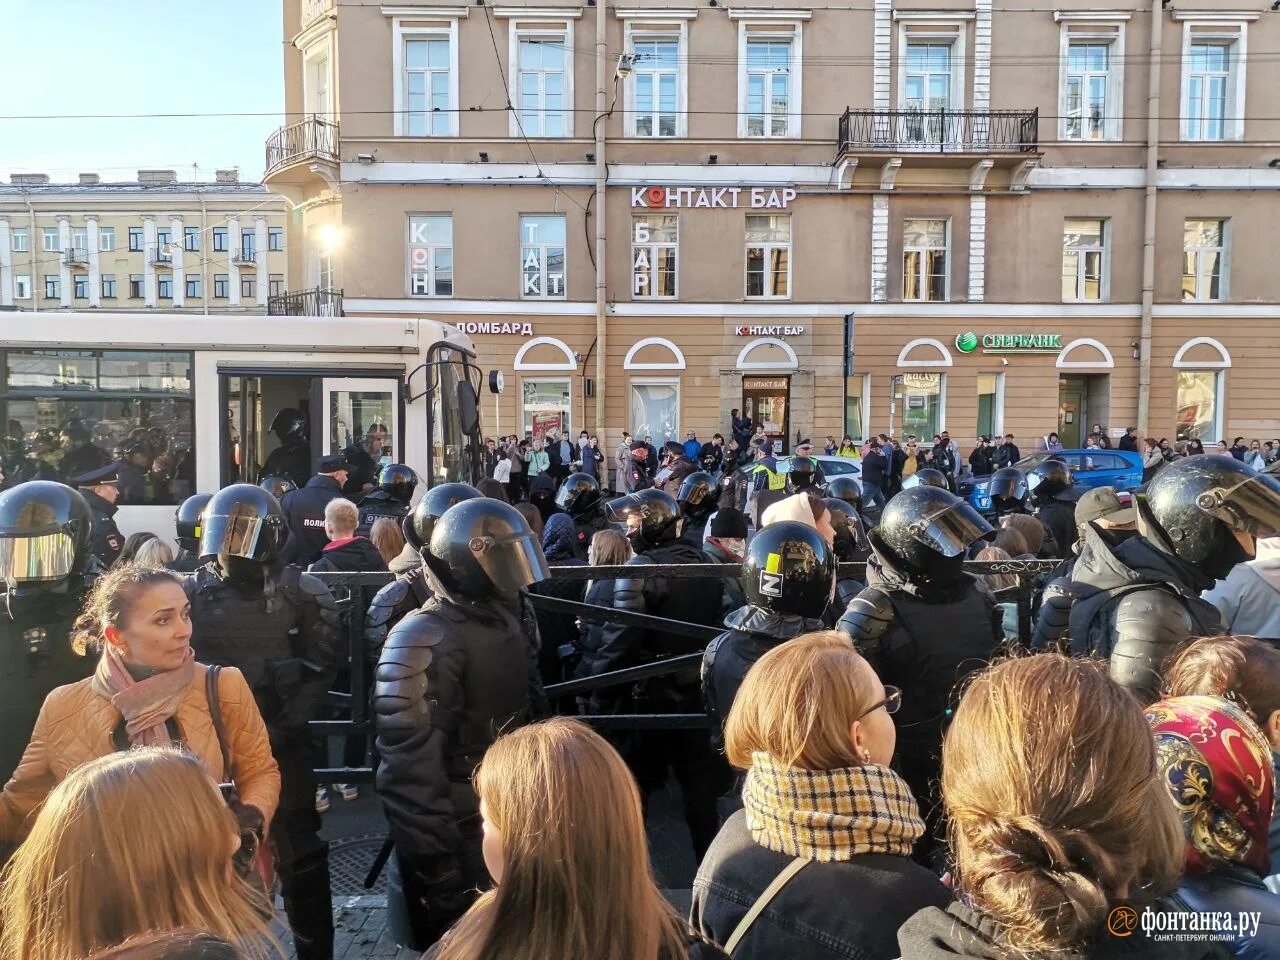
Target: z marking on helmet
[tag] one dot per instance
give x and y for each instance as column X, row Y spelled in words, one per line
column 771, row 583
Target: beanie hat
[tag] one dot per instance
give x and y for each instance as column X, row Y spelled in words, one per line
column 728, row 522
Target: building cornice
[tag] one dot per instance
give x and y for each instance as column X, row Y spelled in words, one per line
column 761, row 13
column 537, row 13
column 655, row 13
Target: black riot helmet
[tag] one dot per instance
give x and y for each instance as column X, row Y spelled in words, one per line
column 650, row 516
column 187, row 521
column 927, row 477
column 1196, row 506
column 419, row 525
column 1008, row 483
column 789, row 569
column 45, row 531
column 802, row 474
column 850, row 537
column 398, row 481
column 481, row 548
column 289, row 424
column 580, row 495
column 697, row 495
column 847, row 489
column 1048, row 479
column 928, row 531
column 277, row 485
column 244, row 521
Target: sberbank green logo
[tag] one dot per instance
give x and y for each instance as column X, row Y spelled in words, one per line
column 967, row 342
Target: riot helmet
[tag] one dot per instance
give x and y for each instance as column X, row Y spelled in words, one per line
column 580, row 495
column 927, row 477
column 244, row 521
column 481, row 548
column 1008, row 483
column 187, row 521
column 650, row 516
column 928, row 531
column 846, row 488
column 418, row 526
column 697, row 495
column 398, row 481
column 289, row 424
column 789, row 569
column 850, row 538
column 1200, row 508
column 277, row 485
column 45, row 532
column 801, row 476
column 1048, row 479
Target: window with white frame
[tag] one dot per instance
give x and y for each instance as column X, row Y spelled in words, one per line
column 924, row 260
column 317, row 82
column 49, row 240
column 429, row 81
column 543, row 81
column 1084, row 260
column 1091, row 88
column 80, row 240
column 769, row 256
column 107, row 239
column 931, row 64
column 1213, row 80
column 770, row 63
column 1204, row 260
column 22, row 286
column 19, row 241
column 655, row 241
column 542, row 252
column 431, row 256
column 655, row 409
column 1199, row 404
column 655, row 91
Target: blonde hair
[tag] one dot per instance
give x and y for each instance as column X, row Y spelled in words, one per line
column 610, row 548
column 1032, row 530
column 576, row 878
column 798, row 702
column 342, row 515
column 129, row 843
column 996, row 581
column 111, row 600
column 386, row 535
column 1244, row 670
column 1057, row 810
column 155, row 553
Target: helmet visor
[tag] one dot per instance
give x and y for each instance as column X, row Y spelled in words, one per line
column 49, row 556
column 1251, row 507
column 951, row 530
column 1010, row 487
column 911, row 482
column 510, row 562
column 238, row 533
column 622, row 509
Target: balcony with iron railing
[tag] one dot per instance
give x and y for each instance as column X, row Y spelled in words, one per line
column 302, row 153
column 315, row 302
column 75, row 255
column 160, row 253
column 245, row 257
column 865, row 130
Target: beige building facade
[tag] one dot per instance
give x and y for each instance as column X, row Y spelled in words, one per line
column 152, row 244
column 902, row 217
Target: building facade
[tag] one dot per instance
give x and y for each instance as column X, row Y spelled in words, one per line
column 153, row 244
column 901, row 216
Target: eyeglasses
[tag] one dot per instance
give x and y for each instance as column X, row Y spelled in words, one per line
column 892, row 702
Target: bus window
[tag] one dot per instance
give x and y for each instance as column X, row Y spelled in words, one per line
column 454, row 452
column 68, row 412
column 362, row 420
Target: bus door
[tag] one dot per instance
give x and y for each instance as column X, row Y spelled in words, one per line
column 364, row 411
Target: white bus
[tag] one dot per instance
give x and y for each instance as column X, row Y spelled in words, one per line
column 189, row 400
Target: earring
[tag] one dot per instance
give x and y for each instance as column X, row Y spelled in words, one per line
column 865, row 757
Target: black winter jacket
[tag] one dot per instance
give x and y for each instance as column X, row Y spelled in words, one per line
column 591, row 637
column 357, row 555
column 304, row 510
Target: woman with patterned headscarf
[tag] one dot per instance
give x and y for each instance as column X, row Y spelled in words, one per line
column 1216, row 764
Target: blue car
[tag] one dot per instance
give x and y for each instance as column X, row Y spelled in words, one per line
column 1091, row 468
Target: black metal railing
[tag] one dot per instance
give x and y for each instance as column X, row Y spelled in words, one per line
column 316, row 302
column 940, row 131
column 310, row 137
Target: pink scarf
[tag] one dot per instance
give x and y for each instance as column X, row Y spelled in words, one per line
column 144, row 704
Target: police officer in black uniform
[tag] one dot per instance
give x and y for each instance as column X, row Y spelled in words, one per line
column 186, row 521
column 580, row 498
column 444, row 689
column 927, row 477
column 924, row 624
column 1008, row 490
column 851, row 546
column 390, row 498
column 293, row 457
column 787, row 576
column 279, row 626
column 1136, row 598
column 101, row 489
column 806, row 472
column 654, row 527
column 639, row 476
column 46, row 529
column 278, row 485
column 304, row 511
column 1051, row 483
column 697, row 499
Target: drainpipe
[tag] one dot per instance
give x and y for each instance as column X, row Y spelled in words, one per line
column 31, row 257
column 206, row 245
column 1149, row 219
column 602, row 172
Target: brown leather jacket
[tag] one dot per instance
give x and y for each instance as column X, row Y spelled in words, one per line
column 77, row 725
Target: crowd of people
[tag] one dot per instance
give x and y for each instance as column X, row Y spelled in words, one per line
column 890, row 766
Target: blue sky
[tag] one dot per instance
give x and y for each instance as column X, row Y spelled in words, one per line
column 139, row 57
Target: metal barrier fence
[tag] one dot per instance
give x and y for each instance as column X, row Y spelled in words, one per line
column 355, row 591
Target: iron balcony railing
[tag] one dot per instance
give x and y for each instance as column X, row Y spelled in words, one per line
column 245, row 257
column 75, row 255
column 310, row 137
column 940, row 131
column 161, row 253
column 316, row 302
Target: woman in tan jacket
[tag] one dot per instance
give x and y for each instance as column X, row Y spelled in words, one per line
column 147, row 691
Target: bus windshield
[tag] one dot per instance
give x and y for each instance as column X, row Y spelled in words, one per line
column 455, row 451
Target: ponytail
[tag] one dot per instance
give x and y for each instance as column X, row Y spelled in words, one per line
column 111, row 601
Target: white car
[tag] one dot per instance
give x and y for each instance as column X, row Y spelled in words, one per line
column 831, row 466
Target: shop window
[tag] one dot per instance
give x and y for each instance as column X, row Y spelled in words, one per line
column 1204, row 254
column 1200, row 405
column 922, row 398
column 769, row 257
column 431, row 256
column 924, row 260
column 111, row 397
column 1084, row 260
column 990, row 404
column 542, row 250
column 655, row 409
column 654, row 255
column 546, row 405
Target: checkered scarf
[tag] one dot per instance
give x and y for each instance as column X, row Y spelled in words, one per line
column 827, row 815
